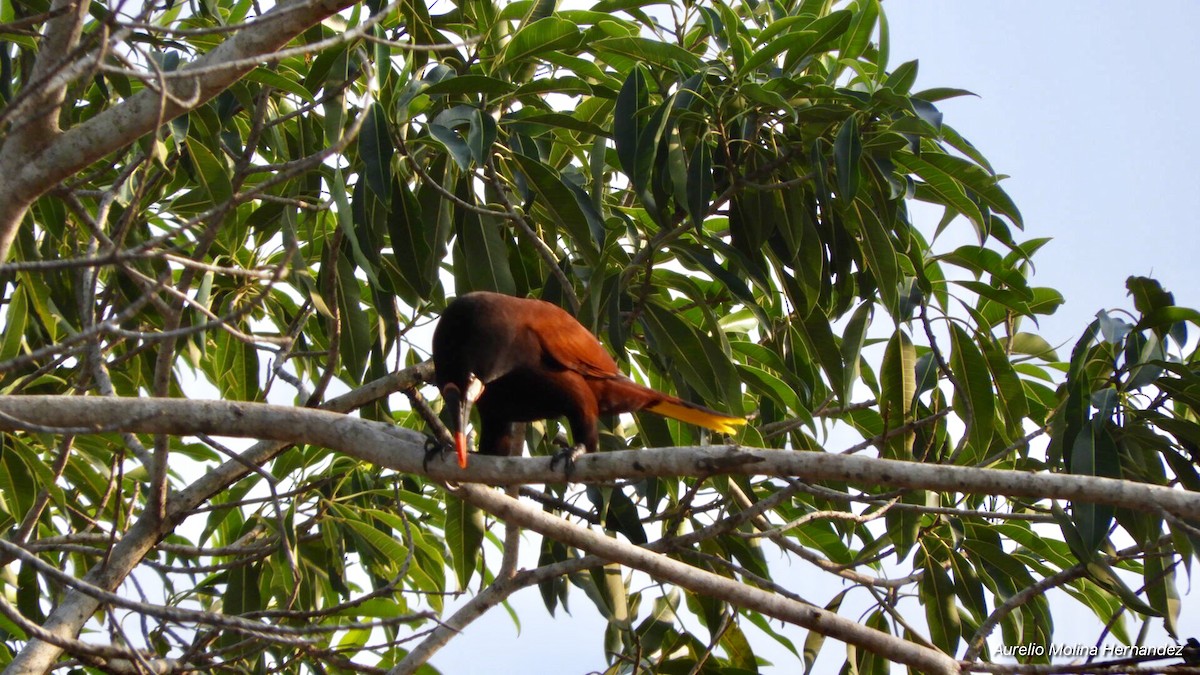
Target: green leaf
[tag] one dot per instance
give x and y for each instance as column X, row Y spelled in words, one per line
column 700, row 184
column 458, row 148
column 766, row 53
column 470, row 84
column 481, row 260
column 974, row 387
column 947, row 189
column 550, row 34
column 280, row 82
column 411, row 244
column 1148, row 295
column 1033, row 345
column 815, row 639
column 847, row 151
column 1161, row 592
column 633, row 151
column 898, row 387
column 663, row 55
column 694, row 356
column 1094, row 453
column 862, row 29
column 941, row 611
column 375, row 147
column 561, row 203
column 819, row 336
column 16, row 318
column 212, row 173
column 901, row 79
column 1010, row 393
column 881, row 256
column 981, row 183
column 853, row 339
column 464, row 537
column 356, row 327
column 824, row 30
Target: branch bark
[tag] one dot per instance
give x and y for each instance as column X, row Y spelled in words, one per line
column 403, row 450
column 661, row 567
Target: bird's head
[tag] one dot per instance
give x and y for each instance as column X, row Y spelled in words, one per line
column 459, row 397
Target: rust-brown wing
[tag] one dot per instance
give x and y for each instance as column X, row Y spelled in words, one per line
column 569, row 344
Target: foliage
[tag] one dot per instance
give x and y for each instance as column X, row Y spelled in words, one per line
column 722, row 191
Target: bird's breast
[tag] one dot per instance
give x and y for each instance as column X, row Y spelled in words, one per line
column 525, row 395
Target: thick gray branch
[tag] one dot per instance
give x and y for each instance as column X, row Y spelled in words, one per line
column 661, row 567
column 403, row 450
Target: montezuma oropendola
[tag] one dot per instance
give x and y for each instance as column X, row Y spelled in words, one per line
column 518, row 360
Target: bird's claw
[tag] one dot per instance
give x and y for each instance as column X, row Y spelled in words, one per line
column 567, row 457
column 433, row 448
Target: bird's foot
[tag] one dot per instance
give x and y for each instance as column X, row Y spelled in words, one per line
column 568, row 457
column 433, row 449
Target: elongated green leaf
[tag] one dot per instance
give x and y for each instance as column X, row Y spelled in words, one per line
column 948, row 190
column 1009, row 391
column 815, row 639
column 561, row 203
column 898, row 387
column 881, row 256
column 941, row 610
column 1094, row 453
column 410, row 239
column 700, row 184
column 280, row 82
column 818, row 335
column 458, row 148
column 695, row 356
column 1159, row 575
column 824, row 30
column 853, row 339
column 481, row 259
column 356, row 328
column 847, row 151
column 375, row 147
column 212, row 173
column 464, row 536
column 663, row 55
column 471, row 84
column 636, row 159
column 974, row 387
column 15, row 320
column 779, row 45
column 978, row 180
column 544, row 35
column 862, row 28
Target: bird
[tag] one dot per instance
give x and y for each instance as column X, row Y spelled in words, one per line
column 518, row 360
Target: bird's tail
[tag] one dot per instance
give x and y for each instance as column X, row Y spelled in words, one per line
column 696, row 414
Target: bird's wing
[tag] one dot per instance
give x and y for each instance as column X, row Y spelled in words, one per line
column 574, row 348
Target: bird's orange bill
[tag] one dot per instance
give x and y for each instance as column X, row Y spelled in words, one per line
column 694, row 414
column 460, row 446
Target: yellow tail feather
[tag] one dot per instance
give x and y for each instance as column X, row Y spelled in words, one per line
column 700, row 417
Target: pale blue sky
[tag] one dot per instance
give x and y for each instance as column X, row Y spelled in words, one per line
column 1089, row 107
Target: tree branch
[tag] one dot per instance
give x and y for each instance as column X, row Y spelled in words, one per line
column 706, row 583
column 403, row 450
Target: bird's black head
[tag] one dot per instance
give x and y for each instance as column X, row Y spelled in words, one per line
column 459, row 398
